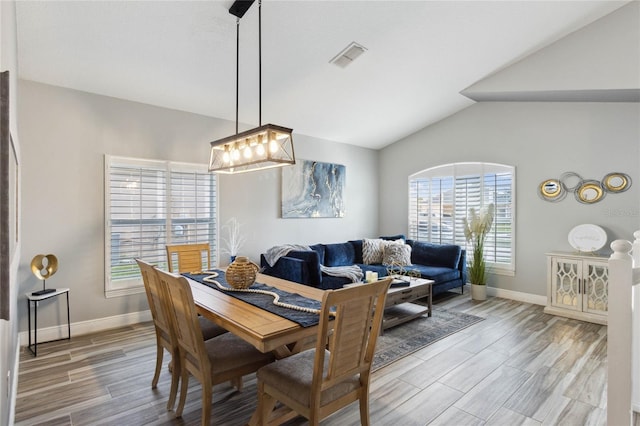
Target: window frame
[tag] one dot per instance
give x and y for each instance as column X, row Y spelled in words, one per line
column 134, row 285
column 454, row 172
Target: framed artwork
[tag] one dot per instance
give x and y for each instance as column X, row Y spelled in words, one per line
column 7, row 156
column 312, row 189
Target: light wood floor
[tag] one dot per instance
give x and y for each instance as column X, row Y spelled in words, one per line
column 519, row 366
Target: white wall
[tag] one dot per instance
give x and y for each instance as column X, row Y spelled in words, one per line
column 9, row 329
column 65, row 135
column 595, row 60
column 255, row 201
column 542, row 140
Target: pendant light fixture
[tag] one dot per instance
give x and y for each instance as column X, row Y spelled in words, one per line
column 263, row 147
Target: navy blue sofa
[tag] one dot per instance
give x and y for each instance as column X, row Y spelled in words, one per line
column 445, row 264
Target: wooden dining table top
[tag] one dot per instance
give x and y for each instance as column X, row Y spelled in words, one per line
column 266, row 331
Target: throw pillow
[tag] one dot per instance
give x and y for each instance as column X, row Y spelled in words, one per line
column 396, row 254
column 372, row 251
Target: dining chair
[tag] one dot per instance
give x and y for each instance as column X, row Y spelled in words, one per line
column 188, row 257
column 193, row 258
column 337, row 372
column 225, row 357
column 165, row 334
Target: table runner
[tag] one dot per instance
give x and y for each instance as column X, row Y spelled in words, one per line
column 263, row 301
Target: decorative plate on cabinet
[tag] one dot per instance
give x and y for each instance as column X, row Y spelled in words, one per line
column 587, row 237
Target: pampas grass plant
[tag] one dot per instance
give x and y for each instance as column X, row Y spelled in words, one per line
column 235, row 240
column 476, row 228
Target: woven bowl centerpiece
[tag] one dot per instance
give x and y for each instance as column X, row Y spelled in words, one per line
column 241, row 273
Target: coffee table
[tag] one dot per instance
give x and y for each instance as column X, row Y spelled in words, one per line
column 399, row 307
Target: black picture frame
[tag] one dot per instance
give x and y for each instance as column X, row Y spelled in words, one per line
column 7, row 154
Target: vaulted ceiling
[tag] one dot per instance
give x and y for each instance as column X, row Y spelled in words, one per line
column 181, row 55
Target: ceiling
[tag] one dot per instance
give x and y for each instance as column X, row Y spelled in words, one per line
column 181, row 55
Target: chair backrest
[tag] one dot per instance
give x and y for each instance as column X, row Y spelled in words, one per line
column 351, row 335
column 156, row 297
column 184, row 316
column 188, row 257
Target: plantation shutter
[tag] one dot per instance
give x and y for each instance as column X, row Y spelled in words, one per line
column 192, row 208
column 150, row 204
column 440, row 199
column 137, row 218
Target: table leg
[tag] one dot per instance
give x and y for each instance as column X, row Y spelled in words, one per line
column 69, row 318
column 35, row 329
column 29, row 322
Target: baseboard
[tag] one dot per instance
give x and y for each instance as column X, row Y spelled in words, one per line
column 86, row 327
column 517, row 295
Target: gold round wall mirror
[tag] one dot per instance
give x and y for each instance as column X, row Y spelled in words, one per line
column 616, row 182
column 589, row 192
column 551, row 190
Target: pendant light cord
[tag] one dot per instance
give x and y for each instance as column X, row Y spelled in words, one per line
column 259, row 62
column 237, row 68
column 259, row 66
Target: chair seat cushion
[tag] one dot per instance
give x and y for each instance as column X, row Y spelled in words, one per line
column 293, row 376
column 209, row 328
column 229, row 352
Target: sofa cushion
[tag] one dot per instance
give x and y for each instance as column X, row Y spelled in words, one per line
column 319, row 248
column 394, row 237
column 340, row 254
column 372, row 251
column 333, row 283
column 357, row 247
column 445, row 255
column 379, row 268
column 311, row 262
column 396, row 254
column 437, row 273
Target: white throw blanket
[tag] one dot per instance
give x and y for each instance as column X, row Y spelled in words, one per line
column 353, row 272
column 274, row 253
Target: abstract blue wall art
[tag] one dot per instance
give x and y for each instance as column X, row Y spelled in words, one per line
column 313, row 189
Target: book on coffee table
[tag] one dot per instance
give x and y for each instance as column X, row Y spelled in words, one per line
column 398, row 282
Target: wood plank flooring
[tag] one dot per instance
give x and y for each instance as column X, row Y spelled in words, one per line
column 518, row 367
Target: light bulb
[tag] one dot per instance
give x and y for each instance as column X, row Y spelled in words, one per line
column 225, row 157
column 260, row 149
column 247, row 152
column 273, row 147
column 235, row 154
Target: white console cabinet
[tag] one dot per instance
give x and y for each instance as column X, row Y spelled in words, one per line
column 578, row 286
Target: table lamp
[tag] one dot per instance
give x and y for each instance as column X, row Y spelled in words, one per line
column 43, row 267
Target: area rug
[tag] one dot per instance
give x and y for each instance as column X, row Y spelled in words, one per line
column 404, row 339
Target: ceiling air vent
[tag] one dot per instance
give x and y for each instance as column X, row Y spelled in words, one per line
column 348, row 54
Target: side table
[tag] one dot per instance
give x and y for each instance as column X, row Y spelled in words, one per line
column 35, row 299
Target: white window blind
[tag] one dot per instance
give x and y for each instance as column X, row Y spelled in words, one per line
column 440, row 198
column 150, row 204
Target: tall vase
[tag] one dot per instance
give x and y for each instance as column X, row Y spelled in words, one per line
column 479, row 291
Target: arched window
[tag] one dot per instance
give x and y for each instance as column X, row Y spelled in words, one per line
column 440, row 197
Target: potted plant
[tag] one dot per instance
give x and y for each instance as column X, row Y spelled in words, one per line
column 476, row 228
column 235, row 240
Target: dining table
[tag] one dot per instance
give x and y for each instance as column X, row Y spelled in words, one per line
column 266, row 331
